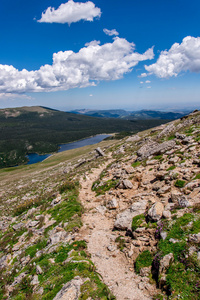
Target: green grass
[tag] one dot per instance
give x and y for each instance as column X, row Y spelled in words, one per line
column 120, row 242
column 183, row 282
column 101, row 188
column 197, row 176
column 33, row 249
column 136, row 164
column 144, row 259
column 178, row 230
column 158, row 157
column 171, row 168
column 137, row 221
column 171, row 137
column 179, row 183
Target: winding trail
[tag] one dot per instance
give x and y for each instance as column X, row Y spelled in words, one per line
column 116, row 271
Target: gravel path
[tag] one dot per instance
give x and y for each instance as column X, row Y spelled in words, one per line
column 112, row 264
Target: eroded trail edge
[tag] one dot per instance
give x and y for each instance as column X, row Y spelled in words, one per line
column 110, row 262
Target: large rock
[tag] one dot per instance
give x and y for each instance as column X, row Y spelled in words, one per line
column 167, row 130
column 124, row 219
column 165, row 263
column 57, row 237
column 133, row 138
column 156, row 211
column 154, row 148
column 125, row 184
column 71, row 290
column 183, row 201
column 99, row 151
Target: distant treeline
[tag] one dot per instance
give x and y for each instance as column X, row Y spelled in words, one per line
column 36, row 132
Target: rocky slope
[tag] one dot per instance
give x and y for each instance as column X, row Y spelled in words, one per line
column 122, row 224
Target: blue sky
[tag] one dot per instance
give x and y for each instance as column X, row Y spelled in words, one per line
column 101, row 70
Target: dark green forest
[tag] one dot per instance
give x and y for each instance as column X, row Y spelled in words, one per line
column 41, row 130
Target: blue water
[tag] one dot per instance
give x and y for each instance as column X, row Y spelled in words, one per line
column 34, row 157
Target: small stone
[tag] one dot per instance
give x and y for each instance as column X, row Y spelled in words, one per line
column 174, row 241
column 163, row 235
column 111, row 248
column 39, row 270
column 167, row 214
column 17, row 226
column 144, row 272
column 33, row 223
column 35, row 280
column 195, row 238
column 112, row 204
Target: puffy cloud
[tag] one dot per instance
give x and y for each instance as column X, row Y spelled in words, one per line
column 110, row 32
column 12, row 96
column 87, row 67
column 71, row 12
column 147, row 81
column 141, row 82
column 143, row 75
column 180, row 57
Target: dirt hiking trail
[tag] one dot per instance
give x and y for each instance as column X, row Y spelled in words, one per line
column 110, row 262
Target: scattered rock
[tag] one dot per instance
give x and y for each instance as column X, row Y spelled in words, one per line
column 71, row 290
column 183, row 202
column 156, row 211
column 195, row 238
column 144, row 272
column 163, row 235
column 39, row 270
column 35, row 280
column 167, row 214
column 99, row 151
column 112, row 204
column 125, row 184
column 133, row 138
column 124, row 219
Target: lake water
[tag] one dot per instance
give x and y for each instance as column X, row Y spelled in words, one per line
column 34, row 157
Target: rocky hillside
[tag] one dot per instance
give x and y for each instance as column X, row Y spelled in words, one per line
column 120, row 222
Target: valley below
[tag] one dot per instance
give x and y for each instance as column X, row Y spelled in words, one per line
column 116, row 220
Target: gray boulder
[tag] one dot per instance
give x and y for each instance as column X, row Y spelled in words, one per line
column 154, row 148
column 156, row 211
column 124, row 219
column 71, row 290
column 125, row 184
column 99, row 151
column 183, row 201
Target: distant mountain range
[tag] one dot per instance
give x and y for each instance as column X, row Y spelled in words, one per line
column 130, row 115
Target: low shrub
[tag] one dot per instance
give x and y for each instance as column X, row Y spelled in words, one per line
column 144, row 259
column 137, row 221
column 179, row 183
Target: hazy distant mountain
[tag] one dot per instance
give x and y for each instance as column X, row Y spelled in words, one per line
column 110, row 113
column 130, row 115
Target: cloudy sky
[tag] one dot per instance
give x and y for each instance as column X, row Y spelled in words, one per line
column 129, row 54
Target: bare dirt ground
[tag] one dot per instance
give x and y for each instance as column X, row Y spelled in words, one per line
column 111, row 264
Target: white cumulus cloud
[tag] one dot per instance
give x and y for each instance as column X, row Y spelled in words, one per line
column 147, row 81
column 71, row 12
column 93, row 63
column 110, row 32
column 180, row 57
column 143, row 75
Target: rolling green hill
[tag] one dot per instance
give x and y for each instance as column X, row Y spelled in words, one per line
column 38, row 129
